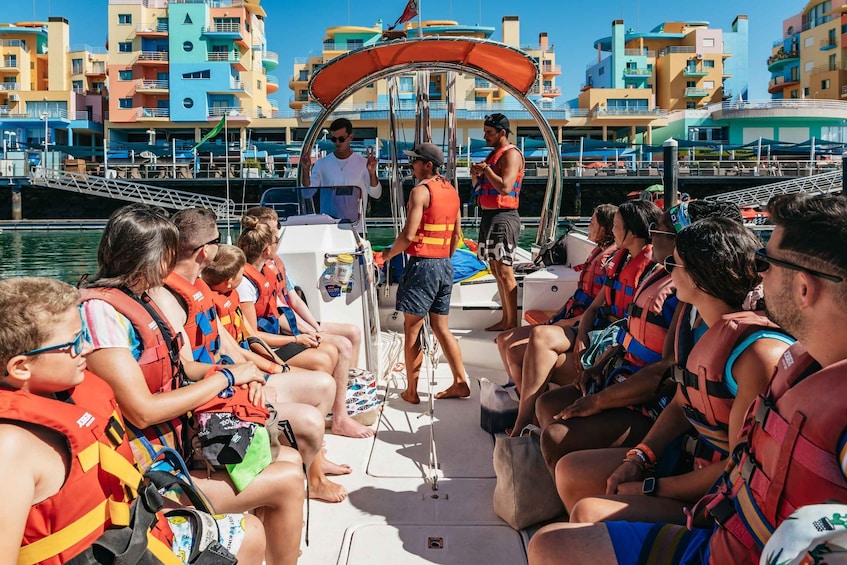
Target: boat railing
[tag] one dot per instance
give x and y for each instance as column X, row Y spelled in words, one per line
column 822, row 183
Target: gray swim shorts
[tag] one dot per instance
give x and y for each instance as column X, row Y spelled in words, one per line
column 425, row 286
column 498, row 235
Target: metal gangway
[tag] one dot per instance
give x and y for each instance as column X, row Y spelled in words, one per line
column 133, row 192
column 816, row 184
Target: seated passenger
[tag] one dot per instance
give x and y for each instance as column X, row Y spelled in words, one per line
column 136, row 351
column 620, row 415
column 258, row 293
column 53, row 410
column 307, row 419
column 512, row 343
column 552, row 351
column 791, row 447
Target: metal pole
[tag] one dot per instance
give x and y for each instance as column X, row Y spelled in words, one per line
column 844, row 173
column 671, row 173
column 173, row 156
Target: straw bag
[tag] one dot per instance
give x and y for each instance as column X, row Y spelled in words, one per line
column 525, row 493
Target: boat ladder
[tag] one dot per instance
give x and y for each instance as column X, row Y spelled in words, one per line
column 817, row 184
column 133, row 192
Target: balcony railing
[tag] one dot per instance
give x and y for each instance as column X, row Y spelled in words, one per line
column 14, row 43
column 639, row 53
column 636, row 111
column 828, row 43
column 156, row 27
column 482, row 84
column 329, row 46
column 821, row 69
column 224, row 57
column 10, row 86
column 77, row 69
column 223, row 27
column 551, row 69
column 156, row 56
column 9, row 63
column 96, row 69
column 551, row 91
column 782, row 54
column 229, row 111
column 142, row 113
column 270, row 56
column 271, row 79
column 677, row 49
column 630, row 72
column 145, row 84
column 692, row 92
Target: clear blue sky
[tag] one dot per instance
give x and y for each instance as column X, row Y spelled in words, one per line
column 295, row 29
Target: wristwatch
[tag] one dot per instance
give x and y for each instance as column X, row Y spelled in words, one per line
column 649, row 486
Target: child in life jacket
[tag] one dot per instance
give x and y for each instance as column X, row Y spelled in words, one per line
column 302, row 401
column 55, row 415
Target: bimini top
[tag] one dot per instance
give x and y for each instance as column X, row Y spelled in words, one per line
column 507, row 64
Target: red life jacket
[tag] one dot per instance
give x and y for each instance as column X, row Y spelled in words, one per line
column 159, row 363
column 489, row 197
column 229, row 314
column 200, row 323
column 648, row 319
column 101, row 480
column 791, row 457
column 266, row 305
column 702, row 374
column 435, row 232
column 623, row 275
column 274, row 271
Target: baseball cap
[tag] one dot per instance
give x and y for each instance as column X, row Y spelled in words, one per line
column 498, row 122
column 427, row 152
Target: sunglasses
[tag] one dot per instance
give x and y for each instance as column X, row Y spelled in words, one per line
column 77, row 344
column 341, row 139
column 670, row 265
column 764, row 262
column 654, row 232
column 215, row 241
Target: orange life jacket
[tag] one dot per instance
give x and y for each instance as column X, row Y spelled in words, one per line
column 489, row 197
column 159, row 363
column 200, row 323
column 702, row 373
column 591, row 276
column 623, row 275
column 267, row 312
column 435, row 232
column 648, row 319
column 101, row 480
column 274, row 271
column 792, row 456
column 229, row 314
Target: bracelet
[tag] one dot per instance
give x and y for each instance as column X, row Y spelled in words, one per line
column 635, row 462
column 649, row 453
column 640, row 454
column 230, row 378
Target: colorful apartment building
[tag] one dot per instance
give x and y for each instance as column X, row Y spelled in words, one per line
column 808, row 62
column 181, row 65
column 48, row 86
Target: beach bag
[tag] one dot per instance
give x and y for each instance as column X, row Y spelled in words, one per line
column 362, row 396
column 498, row 406
column 600, row 341
column 813, row 534
column 554, row 252
column 525, row 493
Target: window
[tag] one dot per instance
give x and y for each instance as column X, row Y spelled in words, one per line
column 188, row 103
column 832, row 66
column 354, row 44
column 809, row 66
column 124, row 19
column 480, row 100
column 809, row 42
column 708, row 42
column 825, row 84
column 77, row 86
column 97, row 87
column 125, row 47
column 691, row 84
column 601, row 71
column 794, row 94
column 196, row 75
column 406, row 84
column 187, row 20
column 258, row 85
column 708, row 64
column 690, row 105
column 806, row 91
column 709, row 84
column 187, row 46
column 76, row 66
column 304, row 75
column 125, row 75
column 125, row 103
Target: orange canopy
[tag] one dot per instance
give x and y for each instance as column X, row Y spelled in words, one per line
column 507, row 64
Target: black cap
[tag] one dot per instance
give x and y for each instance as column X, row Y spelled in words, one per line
column 427, row 152
column 498, row 122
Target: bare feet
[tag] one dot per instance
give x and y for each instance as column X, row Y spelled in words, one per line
column 410, row 396
column 330, row 468
column 327, row 491
column 456, row 390
column 350, row 428
column 500, row 327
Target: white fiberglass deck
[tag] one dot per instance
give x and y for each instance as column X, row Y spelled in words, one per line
column 392, row 514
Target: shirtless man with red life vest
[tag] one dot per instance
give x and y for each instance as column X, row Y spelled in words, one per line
column 430, row 237
column 497, row 185
column 791, row 450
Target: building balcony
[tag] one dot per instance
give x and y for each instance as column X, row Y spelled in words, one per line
column 639, row 53
column 551, row 91
column 637, row 73
column 551, row 70
column 694, row 72
column 633, row 112
column 482, row 85
column 779, row 83
column 8, row 64
column 782, row 58
column 270, row 60
column 677, row 49
column 96, row 70
column 231, row 113
column 827, row 44
column 152, row 113
column 823, row 69
column 273, row 83
column 19, row 43
column 152, row 58
column 151, row 86
column 226, row 30
column 692, row 92
column 9, row 86
column 223, row 57
column 274, row 104
column 153, row 30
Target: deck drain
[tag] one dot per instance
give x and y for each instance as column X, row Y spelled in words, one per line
column 434, row 543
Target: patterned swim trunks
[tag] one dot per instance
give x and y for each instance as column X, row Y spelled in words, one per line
column 498, row 235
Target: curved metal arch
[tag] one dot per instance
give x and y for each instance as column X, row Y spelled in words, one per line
column 553, row 194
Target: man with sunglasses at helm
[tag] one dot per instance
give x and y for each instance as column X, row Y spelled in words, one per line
column 497, row 186
column 342, row 167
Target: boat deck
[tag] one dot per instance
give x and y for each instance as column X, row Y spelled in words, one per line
column 392, row 514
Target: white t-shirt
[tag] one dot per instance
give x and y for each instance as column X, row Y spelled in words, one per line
column 352, row 171
column 247, row 291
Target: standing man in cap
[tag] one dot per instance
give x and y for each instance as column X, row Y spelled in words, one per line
column 430, row 237
column 497, row 185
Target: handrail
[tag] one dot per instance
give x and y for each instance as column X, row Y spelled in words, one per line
column 822, row 184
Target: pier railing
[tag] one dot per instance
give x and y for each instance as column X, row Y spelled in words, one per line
column 133, row 192
column 820, row 184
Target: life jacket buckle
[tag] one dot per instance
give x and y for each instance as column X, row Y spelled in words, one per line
column 762, row 410
column 149, row 496
column 722, row 509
